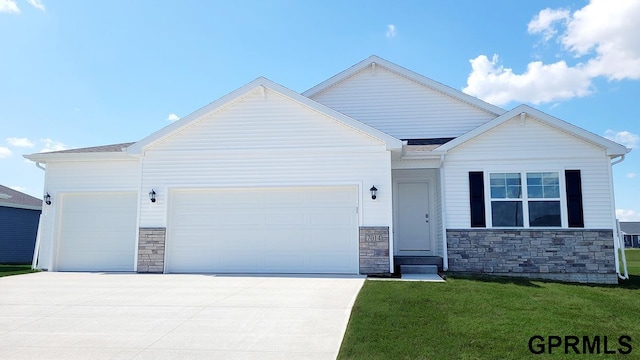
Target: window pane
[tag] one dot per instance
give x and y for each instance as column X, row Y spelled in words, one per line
column 506, row 213
column 544, row 213
column 534, row 178
column 513, row 178
column 506, row 185
column 497, row 179
column 550, row 178
column 543, row 185
column 552, row 191
column 498, row 192
column 535, row 191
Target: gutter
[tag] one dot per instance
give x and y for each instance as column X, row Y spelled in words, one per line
column 618, row 245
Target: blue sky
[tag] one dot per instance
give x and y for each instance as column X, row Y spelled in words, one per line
column 78, row 73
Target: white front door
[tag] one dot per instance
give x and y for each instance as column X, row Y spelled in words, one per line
column 413, row 219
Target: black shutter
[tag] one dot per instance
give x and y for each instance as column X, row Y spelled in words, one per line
column 574, row 198
column 476, row 197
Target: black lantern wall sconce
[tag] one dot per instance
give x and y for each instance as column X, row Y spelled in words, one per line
column 47, row 199
column 374, row 192
column 152, row 196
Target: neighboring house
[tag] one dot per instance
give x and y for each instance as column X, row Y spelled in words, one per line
column 267, row 180
column 19, row 216
column 631, row 232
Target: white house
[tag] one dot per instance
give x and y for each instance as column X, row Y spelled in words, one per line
column 266, row 180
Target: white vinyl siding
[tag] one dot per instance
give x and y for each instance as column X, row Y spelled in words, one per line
column 242, row 146
column 263, row 230
column 82, row 176
column 401, row 107
column 529, row 147
column 264, row 122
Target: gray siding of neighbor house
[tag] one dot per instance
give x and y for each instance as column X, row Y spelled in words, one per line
column 18, row 229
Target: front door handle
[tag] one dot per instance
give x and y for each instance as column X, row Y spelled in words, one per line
column 426, row 217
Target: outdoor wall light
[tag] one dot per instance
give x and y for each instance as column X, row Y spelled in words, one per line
column 152, row 196
column 374, row 191
column 47, row 199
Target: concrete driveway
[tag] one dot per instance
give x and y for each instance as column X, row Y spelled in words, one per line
column 134, row 316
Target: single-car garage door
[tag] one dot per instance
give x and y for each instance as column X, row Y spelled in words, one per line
column 97, row 232
column 263, row 230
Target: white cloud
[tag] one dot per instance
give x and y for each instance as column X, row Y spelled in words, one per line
column 627, row 215
column 623, row 137
column 539, row 83
column 602, row 36
column 20, row 142
column 50, row 145
column 631, row 175
column 391, row 31
column 9, row 6
column 173, row 117
column 545, row 22
column 36, row 4
column 5, row 152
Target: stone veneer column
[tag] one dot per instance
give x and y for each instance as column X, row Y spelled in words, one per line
column 151, row 249
column 374, row 250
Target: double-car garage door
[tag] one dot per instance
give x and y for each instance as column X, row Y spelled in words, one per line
column 256, row 230
column 263, row 230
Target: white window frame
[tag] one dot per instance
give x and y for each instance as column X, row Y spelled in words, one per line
column 564, row 222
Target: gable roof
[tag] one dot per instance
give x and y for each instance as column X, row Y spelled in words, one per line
column 630, row 227
column 413, row 76
column 16, row 199
column 613, row 149
column 263, row 83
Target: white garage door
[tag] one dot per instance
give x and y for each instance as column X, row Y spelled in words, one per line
column 263, row 230
column 97, row 232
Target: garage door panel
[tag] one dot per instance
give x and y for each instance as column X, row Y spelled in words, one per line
column 285, row 217
column 263, row 230
column 241, row 217
column 97, row 232
column 335, row 217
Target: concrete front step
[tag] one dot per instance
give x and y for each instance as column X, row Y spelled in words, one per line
column 418, row 269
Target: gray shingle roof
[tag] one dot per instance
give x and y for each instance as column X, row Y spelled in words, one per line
column 13, row 198
column 95, row 149
column 630, row 227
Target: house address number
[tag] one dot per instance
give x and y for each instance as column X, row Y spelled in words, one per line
column 373, row 237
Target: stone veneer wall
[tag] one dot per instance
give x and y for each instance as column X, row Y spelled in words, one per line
column 575, row 255
column 374, row 250
column 151, row 249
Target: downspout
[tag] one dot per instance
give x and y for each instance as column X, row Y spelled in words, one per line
column 443, row 215
column 618, row 246
column 36, row 250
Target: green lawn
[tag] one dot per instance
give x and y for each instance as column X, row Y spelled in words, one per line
column 6, row 270
column 633, row 261
column 488, row 318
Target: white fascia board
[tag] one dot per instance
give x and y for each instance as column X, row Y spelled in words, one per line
column 411, row 75
column 48, row 157
column 612, row 148
column 390, row 142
